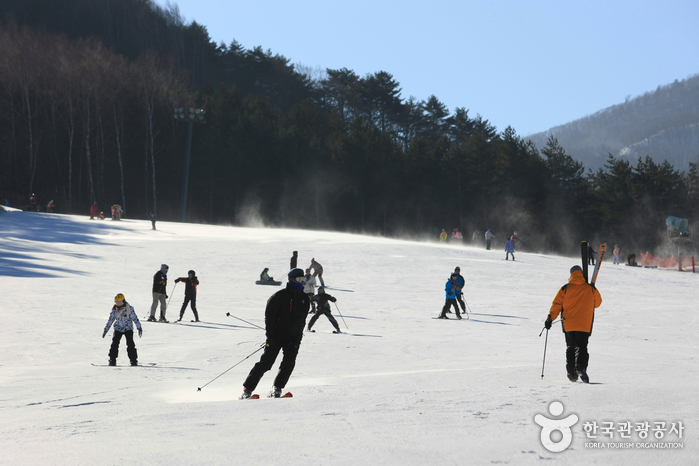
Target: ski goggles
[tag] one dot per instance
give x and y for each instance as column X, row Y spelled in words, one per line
column 119, row 303
column 300, row 279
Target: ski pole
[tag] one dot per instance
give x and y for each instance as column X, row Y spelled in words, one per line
column 545, row 344
column 207, row 383
column 250, row 323
column 171, row 293
column 343, row 319
column 467, row 307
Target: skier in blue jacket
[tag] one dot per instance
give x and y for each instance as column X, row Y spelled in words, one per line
column 509, row 249
column 450, row 289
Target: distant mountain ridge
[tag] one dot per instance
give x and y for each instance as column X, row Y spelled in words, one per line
column 663, row 124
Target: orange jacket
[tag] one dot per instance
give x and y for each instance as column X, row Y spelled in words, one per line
column 576, row 302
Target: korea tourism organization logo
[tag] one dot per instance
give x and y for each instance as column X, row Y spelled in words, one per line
column 557, row 432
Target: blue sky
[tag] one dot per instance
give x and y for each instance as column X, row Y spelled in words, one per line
column 526, row 64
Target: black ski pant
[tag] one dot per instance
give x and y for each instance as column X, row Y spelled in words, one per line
column 290, row 348
column 577, row 356
column 193, row 301
column 130, row 346
column 450, row 302
column 326, row 313
column 461, row 301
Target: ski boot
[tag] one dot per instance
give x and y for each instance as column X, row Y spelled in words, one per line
column 337, row 331
column 134, row 362
column 163, row 319
column 112, row 362
column 583, row 375
column 573, row 377
column 246, row 394
column 275, row 393
column 151, row 319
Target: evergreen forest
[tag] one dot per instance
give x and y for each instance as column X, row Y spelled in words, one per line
column 88, row 92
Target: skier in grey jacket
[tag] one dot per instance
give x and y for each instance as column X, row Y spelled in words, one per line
column 123, row 317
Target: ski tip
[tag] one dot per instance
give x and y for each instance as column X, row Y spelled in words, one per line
column 255, row 397
column 287, row 395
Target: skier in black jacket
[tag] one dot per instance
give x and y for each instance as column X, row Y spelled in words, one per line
column 159, row 293
column 285, row 318
column 322, row 299
column 190, row 293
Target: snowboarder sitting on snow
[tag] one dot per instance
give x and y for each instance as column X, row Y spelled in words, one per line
column 310, row 289
column 576, row 303
column 122, row 316
column 190, row 293
column 510, row 249
column 450, row 289
column 322, row 299
column 264, row 276
column 285, row 319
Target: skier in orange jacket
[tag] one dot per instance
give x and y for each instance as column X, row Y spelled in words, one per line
column 576, row 302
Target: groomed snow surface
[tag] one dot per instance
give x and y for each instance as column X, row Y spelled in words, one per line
column 397, row 388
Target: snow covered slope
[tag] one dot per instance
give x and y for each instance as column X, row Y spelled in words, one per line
column 397, row 388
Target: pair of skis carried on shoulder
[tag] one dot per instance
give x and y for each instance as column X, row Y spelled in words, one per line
column 584, row 248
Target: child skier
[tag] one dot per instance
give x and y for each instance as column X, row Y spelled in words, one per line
column 509, row 249
column 322, row 299
column 190, row 293
column 122, row 316
column 450, row 289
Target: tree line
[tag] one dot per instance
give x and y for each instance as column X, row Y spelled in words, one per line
column 88, row 118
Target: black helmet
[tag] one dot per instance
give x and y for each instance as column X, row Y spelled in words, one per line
column 295, row 273
column 321, row 288
column 191, row 272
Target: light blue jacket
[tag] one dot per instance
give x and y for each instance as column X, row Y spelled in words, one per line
column 450, row 288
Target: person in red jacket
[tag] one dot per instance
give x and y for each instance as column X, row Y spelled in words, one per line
column 93, row 210
column 190, row 293
column 576, row 303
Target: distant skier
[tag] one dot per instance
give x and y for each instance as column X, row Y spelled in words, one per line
column 159, row 293
column 575, row 302
column 294, row 260
column 32, row 203
column 514, row 238
column 317, row 271
column 310, row 289
column 615, row 259
column 123, row 317
column 323, row 308
column 264, row 276
column 153, row 219
column 191, row 282
column 590, row 255
column 488, row 238
column 450, row 289
column 443, row 237
column 509, row 249
column 50, row 206
column 93, row 210
column 459, row 288
column 285, row 319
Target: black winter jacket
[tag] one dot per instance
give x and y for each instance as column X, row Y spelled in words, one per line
column 322, row 300
column 190, row 285
column 160, row 282
column 285, row 315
